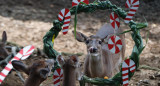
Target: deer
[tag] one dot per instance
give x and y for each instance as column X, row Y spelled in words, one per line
column 71, row 70
column 3, row 51
column 99, row 61
column 37, row 72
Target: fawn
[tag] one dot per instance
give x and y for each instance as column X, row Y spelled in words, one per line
column 100, row 62
column 71, row 70
column 37, row 72
column 3, row 52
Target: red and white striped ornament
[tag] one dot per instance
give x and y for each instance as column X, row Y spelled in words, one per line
column 76, row 2
column 65, row 15
column 114, row 20
column 133, row 5
column 57, row 76
column 127, row 65
column 114, row 44
column 22, row 54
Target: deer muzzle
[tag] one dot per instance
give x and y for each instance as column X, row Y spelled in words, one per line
column 93, row 50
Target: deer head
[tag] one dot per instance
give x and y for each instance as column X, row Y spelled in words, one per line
column 72, row 70
column 93, row 43
column 3, row 51
column 37, row 72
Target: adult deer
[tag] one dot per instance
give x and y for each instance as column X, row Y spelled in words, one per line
column 100, row 61
column 71, row 70
column 37, row 72
column 3, row 52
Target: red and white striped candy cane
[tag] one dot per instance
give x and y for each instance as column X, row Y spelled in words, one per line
column 127, row 65
column 22, row 54
column 76, row 2
column 133, row 5
column 57, row 76
column 114, row 20
column 65, row 15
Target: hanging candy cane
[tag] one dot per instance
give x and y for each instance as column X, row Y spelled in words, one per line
column 127, row 65
column 65, row 15
column 22, row 54
column 114, row 20
column 114, row 44
column 58, row 76
column 133, row 5
column 76, row 2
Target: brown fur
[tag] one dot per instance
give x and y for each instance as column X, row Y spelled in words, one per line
column 3, row 52
column 71, row 70
column 37, row 72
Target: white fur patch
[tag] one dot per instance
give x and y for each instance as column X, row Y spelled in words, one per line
column 95, row 54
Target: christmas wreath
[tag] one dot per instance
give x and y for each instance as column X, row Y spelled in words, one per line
column 130, row 64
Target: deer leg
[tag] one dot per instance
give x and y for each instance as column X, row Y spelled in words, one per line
column 124, row 46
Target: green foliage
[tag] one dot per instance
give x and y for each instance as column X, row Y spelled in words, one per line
column 97, row 5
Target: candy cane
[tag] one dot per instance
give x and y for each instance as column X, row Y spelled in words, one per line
column 65, row 15
column 133, row 5
column 114, row 20
column 114, row 44
column 22, row 54
column 57, row 76
column 128, row 63
column 76, row 2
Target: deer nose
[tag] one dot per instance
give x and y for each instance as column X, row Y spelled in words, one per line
column 93, row 50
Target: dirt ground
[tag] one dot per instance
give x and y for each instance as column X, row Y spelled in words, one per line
column 27, row 21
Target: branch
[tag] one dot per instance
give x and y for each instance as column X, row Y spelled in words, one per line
column 68, row 54
column 6, row 60
column 20, row 76
column 149, row 67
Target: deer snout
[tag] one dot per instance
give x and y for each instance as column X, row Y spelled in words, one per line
column 93, row 50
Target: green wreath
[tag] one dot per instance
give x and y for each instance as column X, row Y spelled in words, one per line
column 98, row 5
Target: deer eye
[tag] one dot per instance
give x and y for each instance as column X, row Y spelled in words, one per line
column 100, row 42
column 87, row 41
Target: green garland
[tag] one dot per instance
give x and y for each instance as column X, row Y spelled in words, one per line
column 135, row 32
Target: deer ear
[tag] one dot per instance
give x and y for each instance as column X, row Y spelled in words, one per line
column 61, row 60
column 105, row 39
column 4, row 37
column 20, row 66
column 74, row 58
column 80, row 36
column 75, row 61
column 44, row 72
